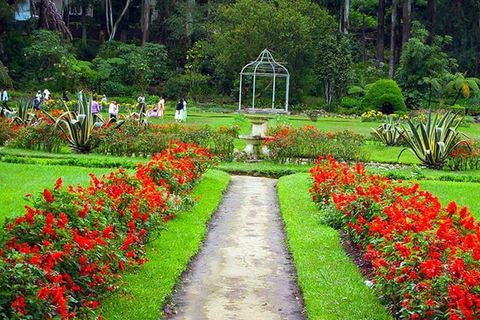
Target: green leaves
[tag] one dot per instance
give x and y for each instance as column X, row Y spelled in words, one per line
column 431, row 142
column 388, row 132
column 78, row 126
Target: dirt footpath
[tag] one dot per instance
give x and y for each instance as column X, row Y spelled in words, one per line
column 243, row 270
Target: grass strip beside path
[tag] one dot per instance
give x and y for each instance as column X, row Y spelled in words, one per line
column 150, row 288
column 332, row 285
column 16, row 180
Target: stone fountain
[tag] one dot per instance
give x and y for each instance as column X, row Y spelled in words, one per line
column 256, row 140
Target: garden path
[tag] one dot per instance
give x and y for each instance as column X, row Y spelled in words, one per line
column 244, row 270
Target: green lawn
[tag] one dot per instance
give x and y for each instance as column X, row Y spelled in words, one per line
column 16, row 180
column 332, row 285
column 146, row 291
column 463, row 193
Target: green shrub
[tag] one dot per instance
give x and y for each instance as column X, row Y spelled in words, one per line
column 6, row 131
column 350, row 105
column 458, row 109
column 385, row 96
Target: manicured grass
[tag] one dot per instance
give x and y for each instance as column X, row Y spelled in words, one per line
column 379, row 153
column 332, row 285
column 16, row 180
column 146, row 291
column 463, row 193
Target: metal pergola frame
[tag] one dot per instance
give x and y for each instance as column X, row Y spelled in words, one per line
column 264, row 66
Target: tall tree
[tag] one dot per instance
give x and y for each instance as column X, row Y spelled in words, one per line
column 407, row 24
column 380, row 32
column 145, row 19
column 431, row 22
column 112, row 25
column 49, row 18
column 391, row 62
column 346, row 16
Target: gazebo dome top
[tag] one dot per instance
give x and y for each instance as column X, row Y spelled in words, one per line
column 265, row 65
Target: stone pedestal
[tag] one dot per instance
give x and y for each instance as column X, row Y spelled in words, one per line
column 256, row 140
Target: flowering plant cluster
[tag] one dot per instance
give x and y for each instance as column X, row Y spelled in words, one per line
column 67, row 251
column 7, row 131
column 39, row 133
column 133, row 138
column 466, row 156
column 286, row 143
column 426, row 257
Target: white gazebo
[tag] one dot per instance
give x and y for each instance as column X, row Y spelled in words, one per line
column 264, row 66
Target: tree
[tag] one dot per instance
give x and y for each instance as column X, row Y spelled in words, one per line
column 145, row 19
column 380, row 32
column 407, row 25
column 459, row 84
column 420, row 62
column 112, row 25
column 49, row 18
column 290, row 30
column 334, row 65
column 391, row 62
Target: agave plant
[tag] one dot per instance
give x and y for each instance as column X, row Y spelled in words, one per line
column 431, row 142
column 78, row 125
column 25, row 114
column 387, row 132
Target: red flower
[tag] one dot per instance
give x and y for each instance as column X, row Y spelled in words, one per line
column 47, row 195
column 19, row 305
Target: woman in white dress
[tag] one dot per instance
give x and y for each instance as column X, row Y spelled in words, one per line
column 179, row 110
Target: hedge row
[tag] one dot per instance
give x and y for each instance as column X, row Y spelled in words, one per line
column 68, row 250
column 426, row 257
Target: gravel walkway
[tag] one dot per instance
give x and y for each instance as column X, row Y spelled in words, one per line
column 244, row 270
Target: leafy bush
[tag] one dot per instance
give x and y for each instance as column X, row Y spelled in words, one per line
column 132, row 138
column 7, row 132
column 67, row 251
column 40, row 135
column 425, row 256
column 466, row 156
column 291, row 144
column 384, row 96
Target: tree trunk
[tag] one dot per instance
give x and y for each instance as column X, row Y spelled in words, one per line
column 407, row 24
column 66, row 12
column 84, row 24
column 431, row 18
column 189, row 22
column 346, row 16
column 145, row 20
column 114, row 26
column 380, row 32
column 476, row 68
column 391, row 63
column 364, row 40
column 340, row 19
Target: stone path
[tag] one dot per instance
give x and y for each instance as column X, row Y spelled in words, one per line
column 243, row 270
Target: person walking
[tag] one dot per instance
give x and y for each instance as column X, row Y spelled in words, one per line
column 179, row 111
column 46, row 95
column 141, row 103
column 161, row 107
column 113, row 111
column 184, row 115
column 5, row 99
column 65, row 96
column 95, row 107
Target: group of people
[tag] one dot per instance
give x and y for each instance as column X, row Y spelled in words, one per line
column 39, row 97
column 157, row 111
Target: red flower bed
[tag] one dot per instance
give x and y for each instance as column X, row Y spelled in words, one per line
column 67, row 251
column 426, row 257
